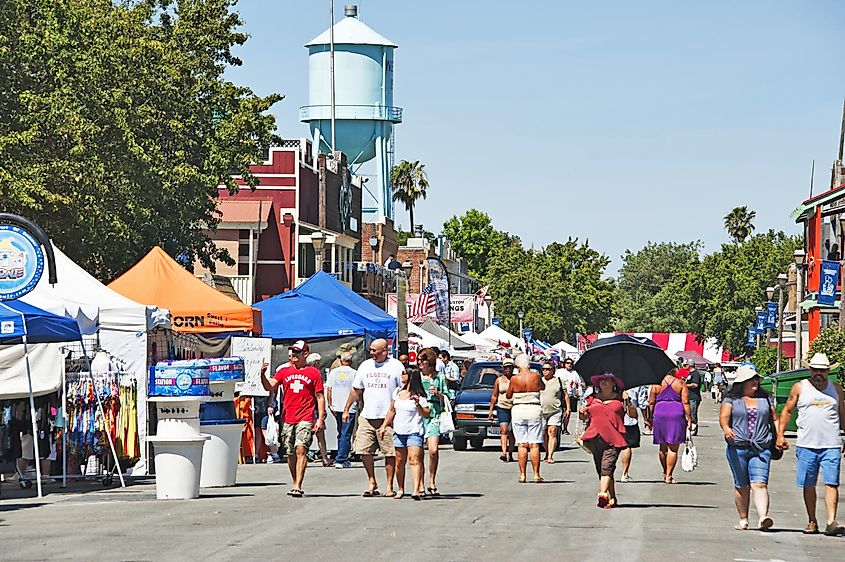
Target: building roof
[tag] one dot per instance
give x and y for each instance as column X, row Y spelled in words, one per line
column 808, row 207
column 351, row 31
column 237, row 211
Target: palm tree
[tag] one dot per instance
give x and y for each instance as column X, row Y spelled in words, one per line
column 738, row 223
column 409, row 183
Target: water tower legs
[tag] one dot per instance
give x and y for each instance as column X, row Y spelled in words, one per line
column 385, row 205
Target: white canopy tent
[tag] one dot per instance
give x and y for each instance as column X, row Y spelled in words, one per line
column 480, row 343
column 427, row 339
column 497, row 334
column 123, row 324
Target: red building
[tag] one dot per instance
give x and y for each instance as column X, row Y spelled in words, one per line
column 270, row 231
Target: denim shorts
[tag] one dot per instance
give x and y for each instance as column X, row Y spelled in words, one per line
column 749, row 465
column 809, row 462
column 503, row 415
column 409, row 440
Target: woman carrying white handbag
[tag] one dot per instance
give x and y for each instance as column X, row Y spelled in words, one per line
column 438, row 397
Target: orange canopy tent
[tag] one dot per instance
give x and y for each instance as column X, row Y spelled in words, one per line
column 194, row 306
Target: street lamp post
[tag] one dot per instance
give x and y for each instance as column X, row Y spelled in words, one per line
column 317, row 240
column 798, row 256
column 782, row 284
column 521, row 315
column 402, row 307
column 770, row 293
column 487, row 302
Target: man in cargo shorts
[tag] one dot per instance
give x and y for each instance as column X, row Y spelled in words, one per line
column 375, row 382
column 302, row 390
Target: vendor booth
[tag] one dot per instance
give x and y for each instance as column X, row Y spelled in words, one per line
column 498, row 335
column 327, row 314
column 454, row 339
column 119, row 326
column 195, row 308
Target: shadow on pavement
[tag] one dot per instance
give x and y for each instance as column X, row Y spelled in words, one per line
column 651, row 505
column 309, row 495
column 453, row 496
column 675, row 484
column 204, row 496
column 16, row 506
column 258, row 484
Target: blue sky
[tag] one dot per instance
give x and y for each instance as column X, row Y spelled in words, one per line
column 618, row 122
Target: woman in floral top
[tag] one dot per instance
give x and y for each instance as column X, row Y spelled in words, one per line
column 436, row 387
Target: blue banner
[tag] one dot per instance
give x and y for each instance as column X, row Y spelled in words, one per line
column 771, row 315
column 497, row 321
column 526, row 333
column 828, row 283
column 752, row 336
column 760, row 323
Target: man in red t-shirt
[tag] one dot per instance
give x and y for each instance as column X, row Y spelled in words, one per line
column 302, row 389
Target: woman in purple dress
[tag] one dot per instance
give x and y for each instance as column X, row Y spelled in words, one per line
column 669, row 407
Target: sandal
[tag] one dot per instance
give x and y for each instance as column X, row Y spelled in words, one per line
column 766, row 523
column 390, row 494
column 602, row 500
column 397, row 495
column 611, row 503
column 291, row 491
column 549, row 461
column 522, row 479
column 371, row 493
column 296, row 493
column 742, row 525
column 812, row 528
column 503, row 458
column 538, row 480
column 416, row 497
column 433, row 492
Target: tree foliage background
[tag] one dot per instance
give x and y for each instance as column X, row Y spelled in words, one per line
column 117, row 126
column 562, row 288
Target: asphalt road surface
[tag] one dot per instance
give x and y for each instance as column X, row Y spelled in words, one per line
column 483, row 514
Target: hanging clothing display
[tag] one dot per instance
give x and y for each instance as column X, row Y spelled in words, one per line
column 88, row 431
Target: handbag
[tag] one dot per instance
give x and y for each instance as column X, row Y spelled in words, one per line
column 447, row 424
column 777, row 454
column 689, row 460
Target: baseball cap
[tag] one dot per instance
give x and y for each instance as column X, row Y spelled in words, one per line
column 299, row 345
column 507, row 361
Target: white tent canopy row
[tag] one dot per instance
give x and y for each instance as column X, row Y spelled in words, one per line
column 496, row 334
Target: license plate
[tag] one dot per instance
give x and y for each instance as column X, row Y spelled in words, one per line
column 494, row 431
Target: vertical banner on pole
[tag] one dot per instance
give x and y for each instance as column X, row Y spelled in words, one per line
column 828, row 283
column 771, row 315
column 752, row 336
column 760, row 323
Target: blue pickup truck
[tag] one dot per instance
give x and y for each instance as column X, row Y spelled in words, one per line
column 472, row 404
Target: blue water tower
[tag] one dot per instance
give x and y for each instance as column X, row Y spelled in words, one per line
column 364, row 110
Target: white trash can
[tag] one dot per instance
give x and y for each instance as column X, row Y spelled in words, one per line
column 220, row 453
column 178, row 462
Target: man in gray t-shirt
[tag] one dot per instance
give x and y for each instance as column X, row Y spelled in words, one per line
column 338, row 386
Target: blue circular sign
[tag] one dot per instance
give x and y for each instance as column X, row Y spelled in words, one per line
column 21, row 262
column 184, row 381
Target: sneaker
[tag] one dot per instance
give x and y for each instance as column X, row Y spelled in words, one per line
column 346, row 464
column 834, row 529
column 626, row 478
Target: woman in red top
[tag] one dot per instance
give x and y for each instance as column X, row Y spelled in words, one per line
column 605, row 434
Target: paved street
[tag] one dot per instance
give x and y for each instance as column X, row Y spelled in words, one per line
column 483, row 514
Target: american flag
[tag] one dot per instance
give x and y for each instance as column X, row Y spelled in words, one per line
column 424, row 305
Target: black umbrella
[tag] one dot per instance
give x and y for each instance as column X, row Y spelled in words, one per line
column 636, row 361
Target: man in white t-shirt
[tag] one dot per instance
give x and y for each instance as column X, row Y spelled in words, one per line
column 375, row 382
column 574, row 388
column 338, row 387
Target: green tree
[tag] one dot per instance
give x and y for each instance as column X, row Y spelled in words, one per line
column 473, row 237
column 644, row 301
column 738, row 223
column 831, row 342
column 719, row 295
column 765, row 358
column 117, row 125
column 409, row 183
column 561, row 288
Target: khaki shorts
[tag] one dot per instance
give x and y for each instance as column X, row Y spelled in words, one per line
column 367, row 440
column 297, row 435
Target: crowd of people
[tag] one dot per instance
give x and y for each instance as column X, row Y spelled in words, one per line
column 389, row 407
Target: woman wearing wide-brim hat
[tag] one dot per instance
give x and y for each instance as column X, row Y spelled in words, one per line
column 605, row 434
column 746, row 419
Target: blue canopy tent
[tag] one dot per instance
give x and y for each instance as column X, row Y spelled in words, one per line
column 323, row 307
column 22, row 323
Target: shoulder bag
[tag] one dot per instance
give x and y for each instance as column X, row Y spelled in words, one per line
column 777, row 454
